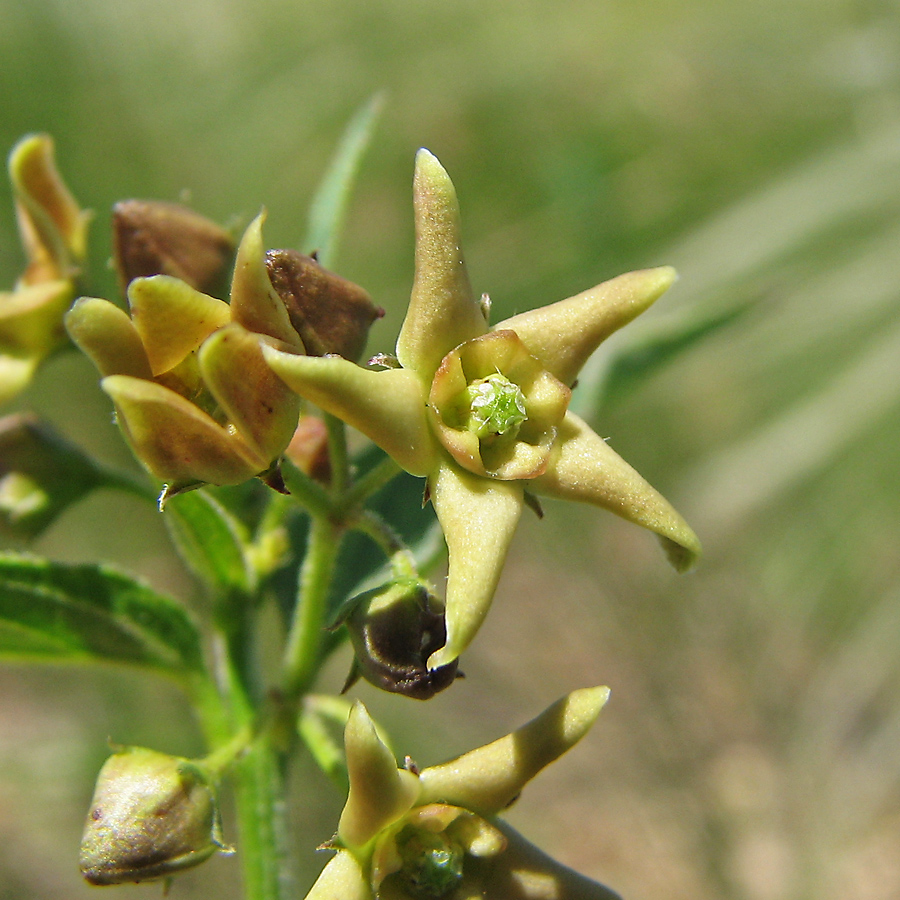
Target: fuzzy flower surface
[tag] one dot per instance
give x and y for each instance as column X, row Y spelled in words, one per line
column 433, row 834
column 53, row 230
column 482, row 412
column 192, row 392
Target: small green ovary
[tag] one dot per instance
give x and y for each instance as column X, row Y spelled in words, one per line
column 496, row 407
column 432, row 863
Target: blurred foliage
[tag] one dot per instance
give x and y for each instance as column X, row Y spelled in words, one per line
column 751, row 749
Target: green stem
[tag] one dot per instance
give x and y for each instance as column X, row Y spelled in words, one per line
column 259, row 794
column 370, row 483
column 304, row 641
column 403, row 563
column 337, row 452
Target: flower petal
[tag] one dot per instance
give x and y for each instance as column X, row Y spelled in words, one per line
column 380, row 793
column 172, row 318
column 563, row 335
column 486, row 780
column 523, row 872
column 179, row 443
column 108, row 336
column 478, row 517
column 386, row 406
column 255, row 304
column 341, row 879
column 53, row 227
column 31, row 317
column 587, row 469
column 259, row 404
column 443, row 311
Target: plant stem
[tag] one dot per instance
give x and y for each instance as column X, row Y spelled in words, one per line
column 337, row 452
column 375, row 479
column 259, row 792
column 304, row 641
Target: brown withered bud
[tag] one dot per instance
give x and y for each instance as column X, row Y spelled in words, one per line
column 394, row 629
column 330, row 313
column 308, row 449
column 152, row 237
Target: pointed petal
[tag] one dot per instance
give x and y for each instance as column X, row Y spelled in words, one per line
column 172, row 318
column 563, row 335
column 523, row 872
column 443, row 311
column 587, row 469
column 255, row 304
column 341, row 879
column 259, row 404
column 108, row 336
column 380, row 793
column 53, row 227
column 175, row 440
column 31, row 317
column 386, row 406
column 486, row 780
column 478, row 517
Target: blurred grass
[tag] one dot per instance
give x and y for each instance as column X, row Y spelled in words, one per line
column 751, row 749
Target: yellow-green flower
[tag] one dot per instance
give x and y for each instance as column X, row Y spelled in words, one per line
column 433, row 834
column 53, row 229
column 192, row 391
column 482, row 411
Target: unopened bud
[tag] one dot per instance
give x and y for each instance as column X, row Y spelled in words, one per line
column 151, row 237
column 152, row 815
column 394, row 629
column 330, row 313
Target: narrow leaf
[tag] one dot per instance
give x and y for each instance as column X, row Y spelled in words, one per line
column 612, row 375
column 211, row 541
column 54, row 612
column 329, row 206
column 321, row 726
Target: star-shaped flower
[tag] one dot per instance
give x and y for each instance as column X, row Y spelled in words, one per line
column 482, row 411
column 410, row 835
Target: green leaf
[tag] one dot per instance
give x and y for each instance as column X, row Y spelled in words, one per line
column 211, row 541
column 610, row 376
column 329, row 206
column 42, row 474
column 321, row 726
column 53, row 612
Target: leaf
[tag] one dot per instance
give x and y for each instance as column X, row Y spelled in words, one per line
column 321, row 726
column 329, row 206
column 53, row 612
column 211, row 541
column 42, row 475
column 606, row 377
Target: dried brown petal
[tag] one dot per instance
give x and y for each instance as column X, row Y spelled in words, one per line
column 151, row 237
column 330, row 313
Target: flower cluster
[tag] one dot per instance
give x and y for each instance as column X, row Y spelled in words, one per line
column 53, row 229
column 433, row 834
column 192, row 391
column 482, row 412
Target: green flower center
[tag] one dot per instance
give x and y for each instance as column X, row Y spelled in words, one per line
column 496, row 406
column 432, row 863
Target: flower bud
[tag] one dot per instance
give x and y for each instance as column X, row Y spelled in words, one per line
column 394, row 629
column 330, row 313
column 151, row 237
column 152, row 815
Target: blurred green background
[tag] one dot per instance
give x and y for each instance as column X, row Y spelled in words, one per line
column 751, row 748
